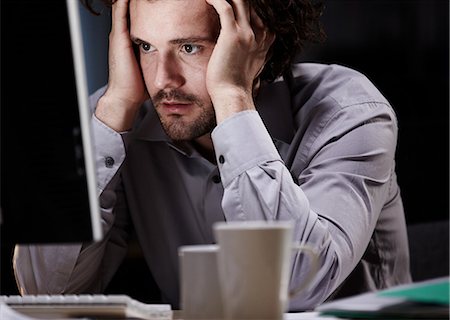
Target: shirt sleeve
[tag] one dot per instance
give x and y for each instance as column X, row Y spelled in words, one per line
column 334, row 203
column 56, row 269
column 250, row 165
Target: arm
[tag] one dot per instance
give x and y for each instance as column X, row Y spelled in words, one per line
column 238, row 58
column 335, row 201
column 126, row 91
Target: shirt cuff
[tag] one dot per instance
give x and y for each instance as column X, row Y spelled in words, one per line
column 242, row 142
column 109, row 152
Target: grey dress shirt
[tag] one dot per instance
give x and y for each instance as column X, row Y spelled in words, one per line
column 319, row 151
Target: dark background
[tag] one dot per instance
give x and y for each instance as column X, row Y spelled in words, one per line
column 402, row 46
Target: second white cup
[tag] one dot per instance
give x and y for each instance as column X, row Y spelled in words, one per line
column 200, row 288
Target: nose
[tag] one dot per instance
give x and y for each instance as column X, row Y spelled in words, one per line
column 168, row 73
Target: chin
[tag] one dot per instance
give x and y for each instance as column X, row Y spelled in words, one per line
column 182, row 131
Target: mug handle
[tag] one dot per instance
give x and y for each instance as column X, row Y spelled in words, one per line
column 312, row 272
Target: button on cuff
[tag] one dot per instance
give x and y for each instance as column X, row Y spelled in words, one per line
column 109, row 162
column 216, row 179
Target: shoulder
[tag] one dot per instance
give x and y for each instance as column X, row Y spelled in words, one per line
column 343, row 85
column 324, row 92
column 331, row 101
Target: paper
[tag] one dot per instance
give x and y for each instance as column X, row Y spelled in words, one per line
column 435, row 292
column 427, row 299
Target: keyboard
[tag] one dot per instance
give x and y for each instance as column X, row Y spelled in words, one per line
column 86, row 305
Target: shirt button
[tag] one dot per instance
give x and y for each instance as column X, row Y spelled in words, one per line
column 221, row 159
column 216, row 179
column 109, row 162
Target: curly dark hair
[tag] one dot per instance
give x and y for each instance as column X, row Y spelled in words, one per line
column 294, row 22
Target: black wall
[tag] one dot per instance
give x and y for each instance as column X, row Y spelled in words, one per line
column 403, row 47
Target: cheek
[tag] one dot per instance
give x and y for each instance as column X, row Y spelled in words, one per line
column 195, row 74
column 148, row 72
column 196, row 84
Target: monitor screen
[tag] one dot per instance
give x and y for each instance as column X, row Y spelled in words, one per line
column 47, row 169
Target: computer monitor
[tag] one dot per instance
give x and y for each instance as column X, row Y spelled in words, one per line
column 48, row 187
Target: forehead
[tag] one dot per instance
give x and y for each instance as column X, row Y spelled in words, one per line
column 157, row 19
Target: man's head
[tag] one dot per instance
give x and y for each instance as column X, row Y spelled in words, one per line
column 175, row 39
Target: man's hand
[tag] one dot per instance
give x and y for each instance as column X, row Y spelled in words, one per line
column 126, row 89
column 238, row 58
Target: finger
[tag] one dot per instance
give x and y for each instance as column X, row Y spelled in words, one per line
column 257, row 26
column 263, row 36
column 225, row 12
column 120, row 16
column 242, row 12
column 256, row 21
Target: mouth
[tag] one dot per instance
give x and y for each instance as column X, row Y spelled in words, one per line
column 175, row 107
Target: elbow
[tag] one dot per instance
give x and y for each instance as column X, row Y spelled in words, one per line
column 25, row 279
column 323, row 282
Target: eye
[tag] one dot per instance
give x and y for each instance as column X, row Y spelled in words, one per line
column 190, row 48
column 146, row 47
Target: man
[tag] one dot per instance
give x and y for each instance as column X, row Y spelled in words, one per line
column 217, row 141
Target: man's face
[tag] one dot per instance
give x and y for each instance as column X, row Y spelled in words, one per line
column 176, row 39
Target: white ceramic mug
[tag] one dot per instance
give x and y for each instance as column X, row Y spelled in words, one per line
column 254, row 268
column 200, row 288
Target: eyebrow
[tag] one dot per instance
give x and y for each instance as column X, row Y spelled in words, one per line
column 178, row 40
